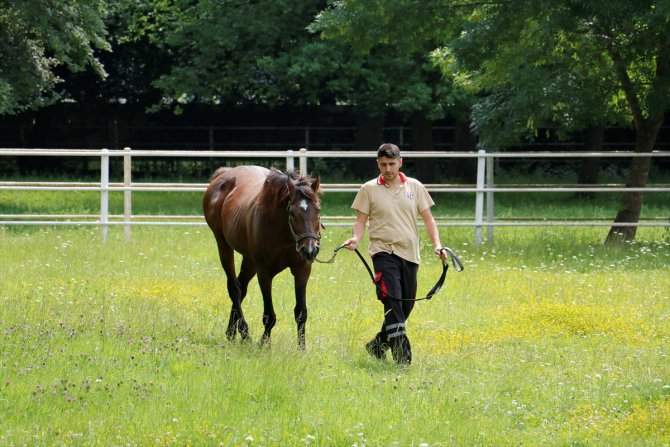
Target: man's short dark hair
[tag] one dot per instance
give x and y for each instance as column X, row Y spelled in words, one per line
column 388, row 150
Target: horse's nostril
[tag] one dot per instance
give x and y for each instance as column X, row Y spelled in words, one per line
column 309, row 252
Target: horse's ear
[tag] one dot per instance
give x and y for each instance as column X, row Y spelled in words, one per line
column 289, row 186
column 316, row 184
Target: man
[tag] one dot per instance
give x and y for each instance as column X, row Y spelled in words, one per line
column 390, row 204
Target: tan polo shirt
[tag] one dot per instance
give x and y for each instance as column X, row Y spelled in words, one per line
column 393, row 218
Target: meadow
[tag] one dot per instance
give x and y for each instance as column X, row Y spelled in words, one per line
column 546, row 338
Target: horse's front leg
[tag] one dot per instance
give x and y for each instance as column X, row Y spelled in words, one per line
column 247, row 271
column 269, row 316
column 301, row 276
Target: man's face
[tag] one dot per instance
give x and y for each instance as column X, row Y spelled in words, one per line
column 389, row 168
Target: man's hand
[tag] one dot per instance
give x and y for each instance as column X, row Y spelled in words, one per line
column 351, row 243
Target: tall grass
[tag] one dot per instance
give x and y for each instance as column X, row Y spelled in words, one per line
column 546, row 338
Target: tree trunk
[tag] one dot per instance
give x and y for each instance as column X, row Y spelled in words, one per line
column 630, row 203
column 589, row 167
column 422, row 140
column 369, row 136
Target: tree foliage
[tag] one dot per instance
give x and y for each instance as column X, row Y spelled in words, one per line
column 532, row 64
column 569, row 63
column 41, row 39
column 404, row 30
column 575, row 63
column 233, row 52
column 266, row 53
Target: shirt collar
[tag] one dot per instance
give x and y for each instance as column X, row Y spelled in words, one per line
column 381, row 181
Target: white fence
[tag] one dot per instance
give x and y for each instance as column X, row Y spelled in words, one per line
column 484, row 189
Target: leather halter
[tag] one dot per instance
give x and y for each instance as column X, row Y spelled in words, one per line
column 300, row 237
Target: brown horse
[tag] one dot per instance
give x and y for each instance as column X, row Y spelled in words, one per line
column 271, row 219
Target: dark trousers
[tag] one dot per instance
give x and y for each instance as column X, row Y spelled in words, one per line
column 395, row 280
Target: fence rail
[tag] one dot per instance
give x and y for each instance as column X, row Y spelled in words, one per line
column 484, row 188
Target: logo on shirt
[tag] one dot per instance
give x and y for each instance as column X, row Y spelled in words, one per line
column 410, row 195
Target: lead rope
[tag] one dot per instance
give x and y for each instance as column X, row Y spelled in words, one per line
column 455, row 262
column 332, row 258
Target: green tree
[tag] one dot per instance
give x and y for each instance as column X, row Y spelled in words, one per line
column 40, row 40
column 132, row 65
column 576, row 63
column 231, row 52
column 262, row 53
column 404, row 32
column 535, row 81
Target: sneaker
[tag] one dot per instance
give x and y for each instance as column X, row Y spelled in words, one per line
column 402, row 358
column 402, row 351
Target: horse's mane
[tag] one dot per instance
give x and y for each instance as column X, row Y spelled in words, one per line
column 275, row 186
column 218, row 172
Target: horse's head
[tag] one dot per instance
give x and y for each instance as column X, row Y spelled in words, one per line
column 304, row 217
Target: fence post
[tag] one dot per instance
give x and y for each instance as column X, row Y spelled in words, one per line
column 303, row 161
column 479, row 197
column 127, row 193
column 490, row 163
column 290, row 161
column 104, row 194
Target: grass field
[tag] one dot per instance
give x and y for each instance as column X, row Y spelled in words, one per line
column 454, row 205
column 547, row 338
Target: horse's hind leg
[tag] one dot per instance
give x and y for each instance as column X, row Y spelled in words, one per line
column 247, row 272
column 236, row 321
